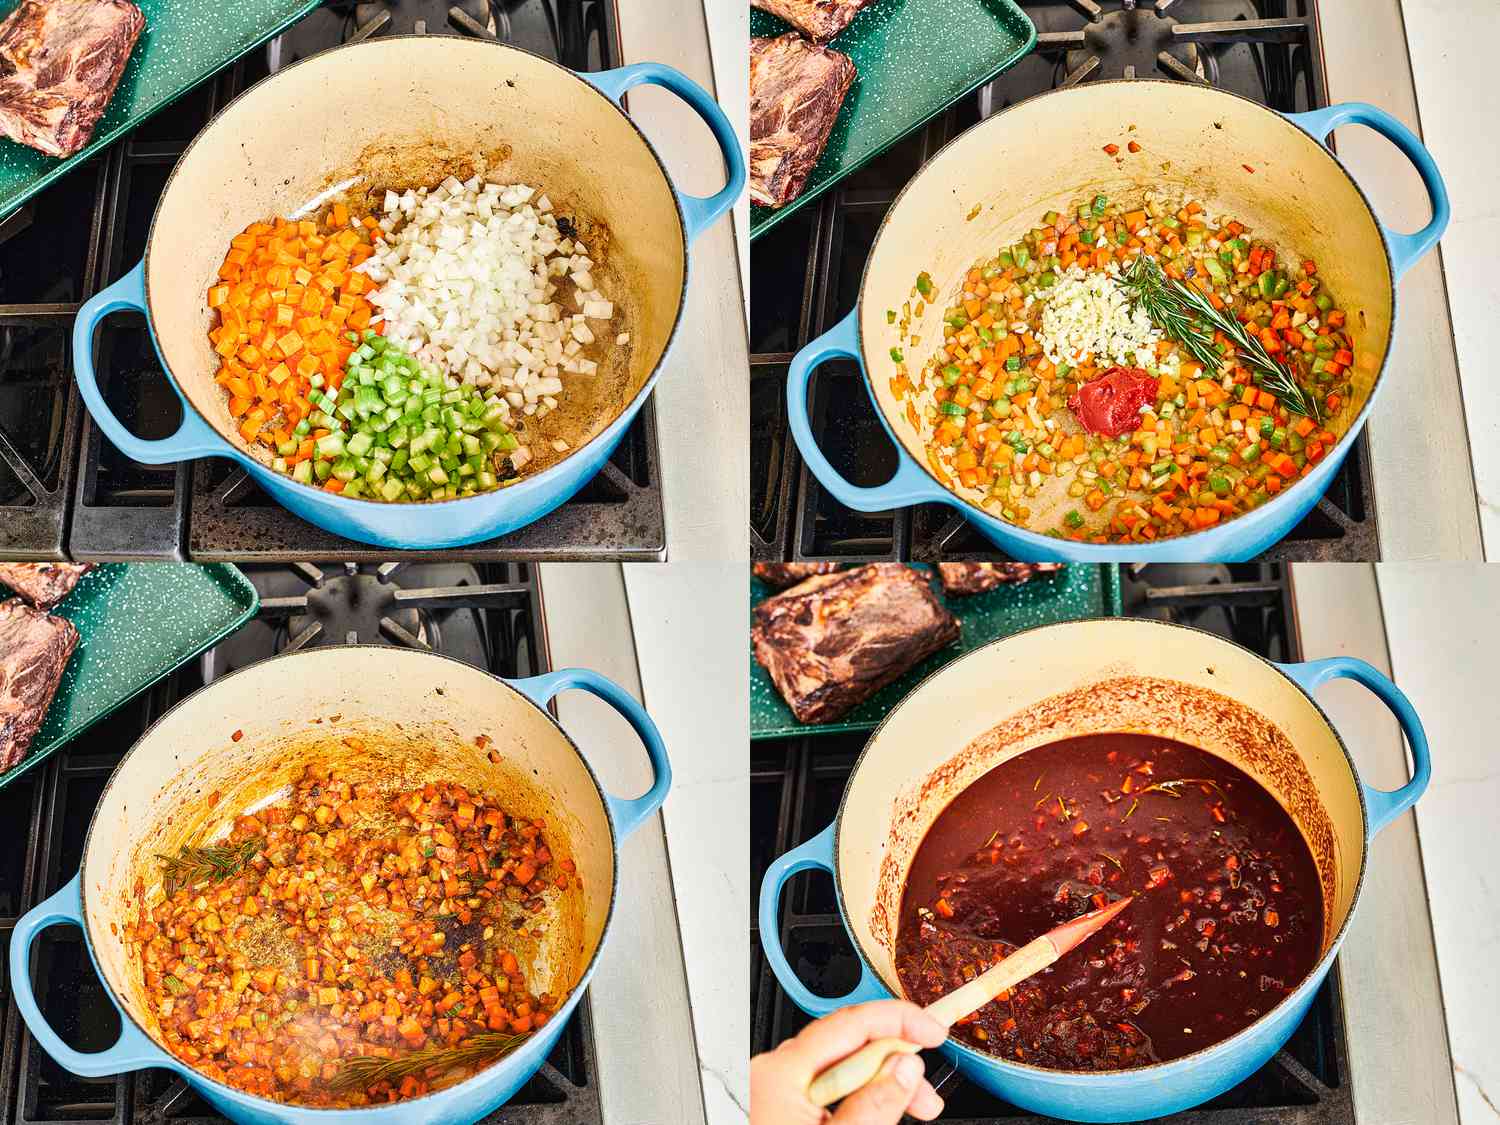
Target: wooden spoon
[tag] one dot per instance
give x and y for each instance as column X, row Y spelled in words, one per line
column 854, row 1071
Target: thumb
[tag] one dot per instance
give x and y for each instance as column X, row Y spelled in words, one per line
column 885, row 1099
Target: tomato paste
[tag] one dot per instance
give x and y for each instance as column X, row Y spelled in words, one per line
column 1110, row 405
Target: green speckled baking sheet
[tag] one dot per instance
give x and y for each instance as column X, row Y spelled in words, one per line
column 914, row 59
column 1077, row 591
column 136, row 622
column 184, row 42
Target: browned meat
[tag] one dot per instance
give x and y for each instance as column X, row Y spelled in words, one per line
column 43, row 584
column 796, row 90
column 819, row 19
column 782, row 575
column 836, row 639
column 60, row 61
column 34, row 650
column 978, row 577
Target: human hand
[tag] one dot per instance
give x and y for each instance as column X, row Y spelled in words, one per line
column 779, row 1079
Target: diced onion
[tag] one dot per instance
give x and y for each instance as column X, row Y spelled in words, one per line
column 467, row 280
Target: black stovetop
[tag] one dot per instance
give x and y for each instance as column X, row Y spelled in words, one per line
column 795, row 787
column 805, row 275
column 489, row 616
column 66, row 492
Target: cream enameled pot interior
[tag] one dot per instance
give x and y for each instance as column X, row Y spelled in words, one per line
column 993, row 183
column 1080, row 678
column 420, row 717
column 407, row 112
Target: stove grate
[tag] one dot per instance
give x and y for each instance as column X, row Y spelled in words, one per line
column 65, row 492
column 490, row 616
column 795, row 788
column 805, row 275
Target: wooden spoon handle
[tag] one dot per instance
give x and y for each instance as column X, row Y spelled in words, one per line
column 854, row 1072
column 1031, row 958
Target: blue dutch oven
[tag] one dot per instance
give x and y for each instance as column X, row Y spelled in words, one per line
column 439, row 98
column 1268, row 170
column 427, row 712
column 1122, row 674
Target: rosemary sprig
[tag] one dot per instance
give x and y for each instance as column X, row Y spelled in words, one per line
column 364, row 1071
column 1174, row 787
column 211, row 864
column 1190, row 318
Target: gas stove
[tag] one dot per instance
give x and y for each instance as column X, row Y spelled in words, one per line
column 805, row 275
column 795, row 787
column 65, row 492
column 489, row 616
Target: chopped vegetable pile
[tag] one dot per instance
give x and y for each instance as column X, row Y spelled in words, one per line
column 468, row 279
column 398, row 359
column 394, row 431
column 1237, row 416
column 286, row 297
column 343, row 922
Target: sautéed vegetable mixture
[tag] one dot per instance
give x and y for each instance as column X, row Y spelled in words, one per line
column 350, row 923
column 1128, row 372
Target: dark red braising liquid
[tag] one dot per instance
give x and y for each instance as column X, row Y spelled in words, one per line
column 1110, row 404
column 1228, row 918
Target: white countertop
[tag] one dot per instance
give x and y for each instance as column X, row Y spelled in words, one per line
column 1400, row 1067
column 689, row 622
column 1452, row 59
column 694, row 684
column 1442, row 623
column 671, row 1009
column 703, row 397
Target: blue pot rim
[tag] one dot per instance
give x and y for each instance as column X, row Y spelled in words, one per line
column 392, row 1110
column 1123, row 552
column 627, row 412
column 1107, row 1078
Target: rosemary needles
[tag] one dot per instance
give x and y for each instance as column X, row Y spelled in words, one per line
column 363, row 1071
column 211, row 864
column 1190, row 318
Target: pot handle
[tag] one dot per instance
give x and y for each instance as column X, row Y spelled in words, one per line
column 816, row 853
column 1384, row 806
column 909, row 485
column 194, row 438
column 627, row 814
column 132, row 1051
column 1405, row 248
column 700, row 213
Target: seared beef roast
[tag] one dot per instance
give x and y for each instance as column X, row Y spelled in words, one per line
column 43, row 584
column 34, row 650
column 977, row 577
column 836, row 639
column 796, row 90
column 60, row 61
column 820, row 19
column 782, row 575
